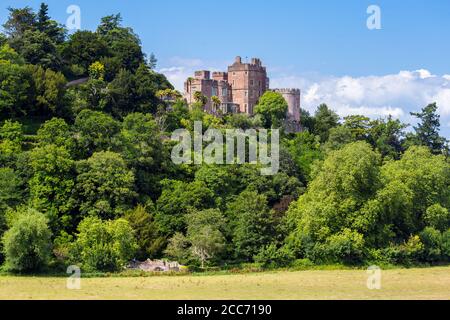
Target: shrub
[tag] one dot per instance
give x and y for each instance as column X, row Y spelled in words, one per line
column 104, row 245
column 405, row 254
column 178, row 248
column 272, row 257
column 302, row 264
column 413, row 248
column 437, row 217
column 432, row 240
column 346, row 246
column 446, row 245
column 27, row 242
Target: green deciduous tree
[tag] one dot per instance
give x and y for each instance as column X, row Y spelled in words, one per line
column 205, row 234
column 176, row 200
column 95, row 131
column 19, row 21
column 178, row 248
column 38, row 48
column 252, row 224
column 11, row 138
column 346, row 180
column 56, row 131
column 305, row 150
column 83, row 49
column 26, row 244
column 104, row 185
column 272, row 107
column 15, row 89
column 52, row 185
column 143, row 150
column 438, row 217
column 11, row 193
column 104, row 245
column 358, row 126
column 12, row 131
column 425, row 179
column 387, row 136
column 49, row 89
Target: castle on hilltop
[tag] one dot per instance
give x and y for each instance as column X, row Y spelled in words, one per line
column 239, row 90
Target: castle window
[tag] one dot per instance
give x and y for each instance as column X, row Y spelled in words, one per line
column 246, row 93
column 252, row 83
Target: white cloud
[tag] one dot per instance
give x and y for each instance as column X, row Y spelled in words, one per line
column 443, row 100
column 375, row 96
column 177, row 75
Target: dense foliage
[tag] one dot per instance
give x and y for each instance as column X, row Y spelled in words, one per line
column 86, row 176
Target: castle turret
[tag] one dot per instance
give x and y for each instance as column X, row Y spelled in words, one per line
column 293, row 99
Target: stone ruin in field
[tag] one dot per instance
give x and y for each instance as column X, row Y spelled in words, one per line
column 156, row 266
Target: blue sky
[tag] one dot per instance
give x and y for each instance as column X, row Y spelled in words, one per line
column 323, row 47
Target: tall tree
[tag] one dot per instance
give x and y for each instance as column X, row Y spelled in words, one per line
column 387, row 136
column 253, row 223
column 324, row 120
column 205, row 234
column 95, row 131
column 83, row 49
column 15, row 89
column 176, row 200
column 329, row 213
column 142, row 220
column 38, row 48
column 50, row 89
column 105, row 185
column 358, row 126
column 19, row 21
column 427, row 131
column 109, row 23
column 52, row 184
column 48, row 26
column 306, row 120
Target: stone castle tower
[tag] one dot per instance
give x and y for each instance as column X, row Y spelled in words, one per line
column 249, row 82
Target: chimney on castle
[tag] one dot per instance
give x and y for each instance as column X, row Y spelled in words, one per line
column 238, row 60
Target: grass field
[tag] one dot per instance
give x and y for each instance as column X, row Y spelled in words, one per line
column 430, row 283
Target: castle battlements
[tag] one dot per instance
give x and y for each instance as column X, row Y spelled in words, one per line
column 287, row 90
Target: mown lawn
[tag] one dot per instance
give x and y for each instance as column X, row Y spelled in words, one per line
column 429, row 283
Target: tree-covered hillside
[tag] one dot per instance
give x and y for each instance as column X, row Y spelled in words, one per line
column 86, row 175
